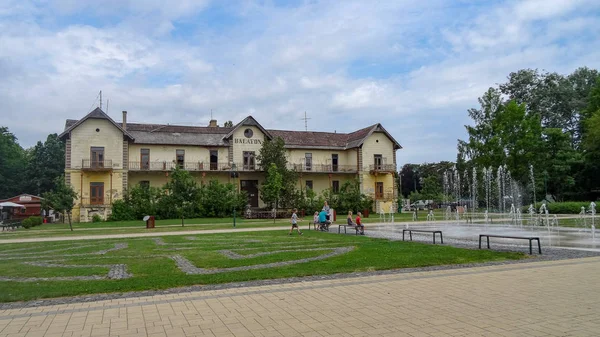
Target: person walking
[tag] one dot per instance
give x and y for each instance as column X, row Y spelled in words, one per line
column 294, row 221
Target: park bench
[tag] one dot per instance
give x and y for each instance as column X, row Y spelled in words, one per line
column 356, row 228
column 314, row 224
column 10, row 224
column 410, row 231
column 530, row 238
column 324, row 226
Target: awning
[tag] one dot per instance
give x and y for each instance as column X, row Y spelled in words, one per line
column 10, row 204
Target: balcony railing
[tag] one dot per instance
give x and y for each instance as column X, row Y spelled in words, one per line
column 382, row 196
column 323, row 168
column 90, row 202
column 241, row 167
column 382, row 168
column 96, row 165
column 188, row 166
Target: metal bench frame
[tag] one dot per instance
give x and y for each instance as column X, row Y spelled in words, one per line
column 346, row 226
column 423, row 231
column 530, row 238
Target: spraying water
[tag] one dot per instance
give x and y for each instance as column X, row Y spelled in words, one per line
column 487, row 183
column 532, row 178
column 474, row 199
column 593, row 213
column 499, row 183
column 430, row 216
column 532, row 217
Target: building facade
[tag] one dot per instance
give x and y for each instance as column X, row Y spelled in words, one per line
column 104, row 158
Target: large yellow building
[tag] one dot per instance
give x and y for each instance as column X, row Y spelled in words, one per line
column 104, row 158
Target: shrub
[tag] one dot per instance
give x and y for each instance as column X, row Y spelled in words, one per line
column 27, row 223
column 214, row 199
column 96, row 218
column 36, row 220
column 121, row 211
column 31, row 222
column 571, row 207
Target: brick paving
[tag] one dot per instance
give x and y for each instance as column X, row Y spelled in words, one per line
column 550, row 298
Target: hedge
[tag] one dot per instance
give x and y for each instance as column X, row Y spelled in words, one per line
column 571, row 207
column 32, row 222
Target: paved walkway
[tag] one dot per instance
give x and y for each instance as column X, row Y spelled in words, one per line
column 558, row 298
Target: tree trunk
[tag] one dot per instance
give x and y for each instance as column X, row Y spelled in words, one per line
column 69, row 216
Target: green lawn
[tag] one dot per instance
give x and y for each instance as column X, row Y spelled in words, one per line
column 152, row 261
column 169, row 225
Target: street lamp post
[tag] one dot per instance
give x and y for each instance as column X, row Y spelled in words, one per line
column 234, row 175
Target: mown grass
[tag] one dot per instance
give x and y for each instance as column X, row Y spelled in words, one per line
column 152, row 265
column 169, row 225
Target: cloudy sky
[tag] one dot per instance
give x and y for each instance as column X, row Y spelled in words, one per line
column 414, row 66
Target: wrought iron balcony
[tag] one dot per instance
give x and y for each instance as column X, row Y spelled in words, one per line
column 241, row 167
column 382, row 168
column 188, row 166
column 91, row 202
column 385, row 196
column 323, row 168
column 96, row 165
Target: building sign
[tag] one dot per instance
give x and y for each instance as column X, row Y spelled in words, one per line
column 24, row 198
column 247, row 141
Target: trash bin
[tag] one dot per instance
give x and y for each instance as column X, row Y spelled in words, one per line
column 150, row 222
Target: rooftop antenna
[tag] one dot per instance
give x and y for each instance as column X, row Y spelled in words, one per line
column 211, row 114
column 107, row 106
column 100, row 99
column 305, row 121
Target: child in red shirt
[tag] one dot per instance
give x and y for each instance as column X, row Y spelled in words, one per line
column 359, row 223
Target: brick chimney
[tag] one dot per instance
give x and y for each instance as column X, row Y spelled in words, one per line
column 213, row 123
column 125, row 120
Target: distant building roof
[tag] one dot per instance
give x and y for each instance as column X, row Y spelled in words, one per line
column 95, row 114
column 167, row 134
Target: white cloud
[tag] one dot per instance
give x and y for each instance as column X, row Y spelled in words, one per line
column 277, row 62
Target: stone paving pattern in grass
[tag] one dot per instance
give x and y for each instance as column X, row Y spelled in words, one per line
column 86, row 267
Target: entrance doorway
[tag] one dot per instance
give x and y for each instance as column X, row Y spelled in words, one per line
column 378, row 190
column 251, row 187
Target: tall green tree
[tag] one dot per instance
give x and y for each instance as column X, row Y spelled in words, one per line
column 273, row 152
column 534, row 119
column 432, row 188
column 560, row 161
column 483, row 145
column 409, row 179
column 559, row 100
column 12, row 165
column 45, row 162
column 182, row 194
column 61, row 198
column 351, row 199
column 220, row 200
column 271, row 190
column 590, row 175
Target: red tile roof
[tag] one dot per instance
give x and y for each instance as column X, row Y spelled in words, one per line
column 300, row 139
